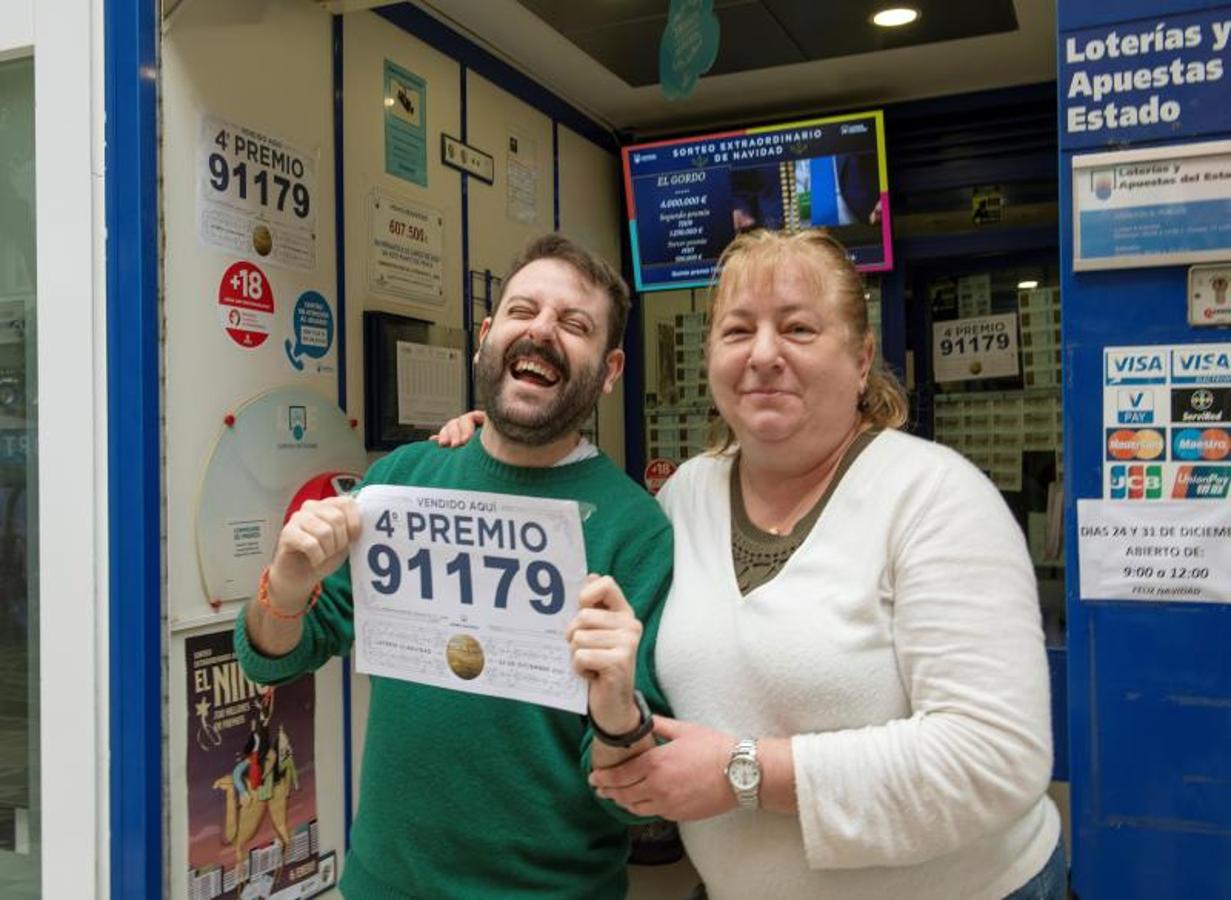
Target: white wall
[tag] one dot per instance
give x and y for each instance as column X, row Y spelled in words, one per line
column 590, row 187
column 268, row 66
column 72, row 432
column 16, row 27
column 264, row 66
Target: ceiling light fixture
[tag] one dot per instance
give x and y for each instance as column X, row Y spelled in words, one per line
column 895, row 16
column 1027, row 285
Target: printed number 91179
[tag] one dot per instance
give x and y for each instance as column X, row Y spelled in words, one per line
column 970, row 344
column 543, row 578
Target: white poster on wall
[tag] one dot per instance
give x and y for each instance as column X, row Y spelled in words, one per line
column 256, row 194
column 1172, row 551
column 1167, row 422
column 522, row 177
column 979, row 347
column 431, row 384
column 406, row 260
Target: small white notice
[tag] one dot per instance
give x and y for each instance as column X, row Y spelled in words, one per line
column 431, row 389
column 980, row 347
column 1168, row 551
column 469, row 591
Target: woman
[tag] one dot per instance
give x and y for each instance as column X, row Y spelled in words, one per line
column 852, row 640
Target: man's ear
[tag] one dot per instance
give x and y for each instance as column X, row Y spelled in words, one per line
column 615, row 368
column 484, row 328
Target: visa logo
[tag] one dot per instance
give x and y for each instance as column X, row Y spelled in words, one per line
column 1134, row 407
column 1201, row 365
column 1136, row 482
column 1202, row 362
column 1129, row 367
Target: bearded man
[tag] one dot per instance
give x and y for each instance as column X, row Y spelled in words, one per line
column 464, row 796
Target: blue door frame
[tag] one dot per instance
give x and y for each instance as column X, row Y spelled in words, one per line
column 134, row 483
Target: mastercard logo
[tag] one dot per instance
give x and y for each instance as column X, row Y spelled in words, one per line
column 1193, row 443
column 1126, row 443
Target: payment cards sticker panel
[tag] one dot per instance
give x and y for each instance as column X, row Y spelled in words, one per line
column 1167, row 422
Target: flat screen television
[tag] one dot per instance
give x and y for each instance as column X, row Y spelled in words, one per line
column 688, row 197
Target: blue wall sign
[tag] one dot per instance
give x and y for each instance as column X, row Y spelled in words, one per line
column 1152, row 78
column 405, row 125
column 312, row 323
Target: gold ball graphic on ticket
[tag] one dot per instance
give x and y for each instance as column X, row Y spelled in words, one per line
column 262, row 240
column 465, row 656
column 976, row 367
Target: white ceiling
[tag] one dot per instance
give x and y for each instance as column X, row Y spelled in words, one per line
column 516, row 35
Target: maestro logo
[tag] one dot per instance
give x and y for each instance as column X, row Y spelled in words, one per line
column 1194, row 443
column 1136, row 482
column 1142, row 443
column 1201, row 482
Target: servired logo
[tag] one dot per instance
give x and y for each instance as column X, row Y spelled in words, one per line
column 1136, row 482
column 1201, row 482
column 1143, row 443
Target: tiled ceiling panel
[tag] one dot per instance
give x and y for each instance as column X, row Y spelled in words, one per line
column 623, row 36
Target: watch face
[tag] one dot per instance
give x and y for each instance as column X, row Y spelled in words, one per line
column 744, row 773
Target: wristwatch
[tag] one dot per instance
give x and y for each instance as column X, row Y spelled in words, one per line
column 744, row 773
column 644, row 727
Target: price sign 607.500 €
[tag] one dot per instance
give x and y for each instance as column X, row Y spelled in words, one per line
column 469, row 591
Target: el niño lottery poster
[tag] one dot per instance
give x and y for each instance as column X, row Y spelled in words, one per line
column 252, row 818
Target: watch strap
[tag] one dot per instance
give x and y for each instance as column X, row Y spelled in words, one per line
column 644, row 727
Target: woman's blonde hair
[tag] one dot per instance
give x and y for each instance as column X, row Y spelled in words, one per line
column 753, row 254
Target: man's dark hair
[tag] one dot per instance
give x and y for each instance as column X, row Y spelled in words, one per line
column 593, row 269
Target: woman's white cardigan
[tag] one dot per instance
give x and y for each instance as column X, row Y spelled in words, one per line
column 901, row 649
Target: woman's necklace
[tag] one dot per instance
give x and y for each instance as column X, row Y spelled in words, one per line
column 786, row 523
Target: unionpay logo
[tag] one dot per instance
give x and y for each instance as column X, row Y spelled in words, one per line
column 1201, row 482
column 1196, row 443
column 1134, row 407
column 1141, row 443
column 1136, row 482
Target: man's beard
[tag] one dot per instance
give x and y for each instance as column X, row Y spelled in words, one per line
column 573, row 403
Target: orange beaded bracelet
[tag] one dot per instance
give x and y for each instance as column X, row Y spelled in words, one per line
column 262, row 597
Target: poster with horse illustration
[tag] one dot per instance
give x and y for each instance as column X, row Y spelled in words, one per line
column 252, row 824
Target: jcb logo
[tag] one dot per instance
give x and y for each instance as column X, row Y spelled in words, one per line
column 1136, row 482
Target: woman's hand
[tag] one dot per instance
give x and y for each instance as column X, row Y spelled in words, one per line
column 682, row 780
column 456, row 432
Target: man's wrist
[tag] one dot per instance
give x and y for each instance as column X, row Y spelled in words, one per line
column 614, row 714
column 281, row 602
column 632, row 729
column 284, row 598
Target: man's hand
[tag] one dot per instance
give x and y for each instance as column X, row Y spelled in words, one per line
column 312, row 545
column 604, row 638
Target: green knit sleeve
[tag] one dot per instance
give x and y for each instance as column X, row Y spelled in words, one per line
column 328, row 630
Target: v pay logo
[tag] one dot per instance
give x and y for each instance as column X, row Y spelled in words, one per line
column 1134, row 407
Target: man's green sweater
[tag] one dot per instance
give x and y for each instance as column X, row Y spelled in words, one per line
column 469, row 797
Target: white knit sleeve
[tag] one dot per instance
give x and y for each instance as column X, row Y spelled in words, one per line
column 975, row 754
